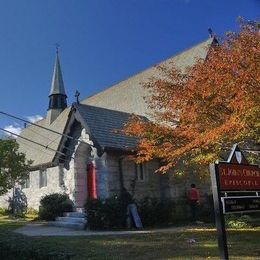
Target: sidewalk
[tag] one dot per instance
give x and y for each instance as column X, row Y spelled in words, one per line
column 40, row 229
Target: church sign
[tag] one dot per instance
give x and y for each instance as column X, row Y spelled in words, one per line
column 238, row 177
column 235, row 188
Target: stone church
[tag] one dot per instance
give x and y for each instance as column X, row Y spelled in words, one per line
column 76, row 149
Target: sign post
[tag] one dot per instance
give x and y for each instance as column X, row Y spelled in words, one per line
column 219, row 216
column 231, row 180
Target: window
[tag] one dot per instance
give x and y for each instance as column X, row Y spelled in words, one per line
column 43, row 178
column 61, row 176
column 26, row 183
column 140, row 172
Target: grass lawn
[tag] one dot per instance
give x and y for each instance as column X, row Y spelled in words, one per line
column 243, row 244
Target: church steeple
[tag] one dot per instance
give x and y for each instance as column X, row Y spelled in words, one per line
column 57, row 95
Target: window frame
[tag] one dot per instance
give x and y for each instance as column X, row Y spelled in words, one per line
column 141, row 172
column 26, row 183
column 61, row 176
column 43, row 180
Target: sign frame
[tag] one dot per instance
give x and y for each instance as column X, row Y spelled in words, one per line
column 223, row 199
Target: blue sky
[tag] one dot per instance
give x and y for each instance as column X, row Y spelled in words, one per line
column 102, row 42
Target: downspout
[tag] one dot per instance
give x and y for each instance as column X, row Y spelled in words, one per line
column 121, row 176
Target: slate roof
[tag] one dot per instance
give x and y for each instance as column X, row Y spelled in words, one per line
column 104, row 111
column 105, row 125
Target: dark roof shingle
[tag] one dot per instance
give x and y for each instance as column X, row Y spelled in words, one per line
column 105, row 125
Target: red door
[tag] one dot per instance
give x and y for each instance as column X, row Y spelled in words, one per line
column 91, row 181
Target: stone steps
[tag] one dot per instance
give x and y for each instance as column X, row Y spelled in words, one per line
column 74, row 215
column 71, row 219
column 65, row 224
column 76, row 220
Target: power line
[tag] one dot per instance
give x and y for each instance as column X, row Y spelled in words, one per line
column 48, row 129
column 34, row 148
column 29, row 140
column 42, row 145
column 51, row 141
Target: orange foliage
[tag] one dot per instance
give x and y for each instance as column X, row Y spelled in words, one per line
column 210, row 105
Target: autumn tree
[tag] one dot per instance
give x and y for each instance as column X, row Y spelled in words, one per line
column 199, row 111
column 14, row 168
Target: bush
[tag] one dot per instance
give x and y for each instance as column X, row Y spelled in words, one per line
column 234, row 221
column 111, row 212
column 155, row 212
column 105, row 213
column 32, row 211
column 3, row 212
column 54, row 205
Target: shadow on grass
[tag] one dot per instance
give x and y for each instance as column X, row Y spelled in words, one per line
column 184, row 243
column 242, row 244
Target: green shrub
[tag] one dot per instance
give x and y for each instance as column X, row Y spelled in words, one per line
column 155, row 212
column 105, row 213
column 111, row 212
column 32, row 211
column 234, row 221
column 54, row 205
column 3, row 212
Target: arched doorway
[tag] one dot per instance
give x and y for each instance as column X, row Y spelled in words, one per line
column 83, row 157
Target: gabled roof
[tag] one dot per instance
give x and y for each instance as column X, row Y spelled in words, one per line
column 128, row 95
column 104, row 127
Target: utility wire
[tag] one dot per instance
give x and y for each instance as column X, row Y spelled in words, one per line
column 56, row 142
column 34, row 148
column 42, row 145
column 51, row 141
column 29, row 140
column 48, row 129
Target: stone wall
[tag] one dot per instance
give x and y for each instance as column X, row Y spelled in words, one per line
column 152, row 184
column 59, row 180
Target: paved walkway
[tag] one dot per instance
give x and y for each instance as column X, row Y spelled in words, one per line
column 39, row 229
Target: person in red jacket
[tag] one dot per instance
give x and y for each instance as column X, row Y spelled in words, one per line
column 194, row 200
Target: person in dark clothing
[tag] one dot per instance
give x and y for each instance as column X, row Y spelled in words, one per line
column 194, row 200
column 127, row 200
column 126, row 197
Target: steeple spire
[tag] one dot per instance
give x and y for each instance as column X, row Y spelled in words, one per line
column 57, row 85
column 57, row 95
